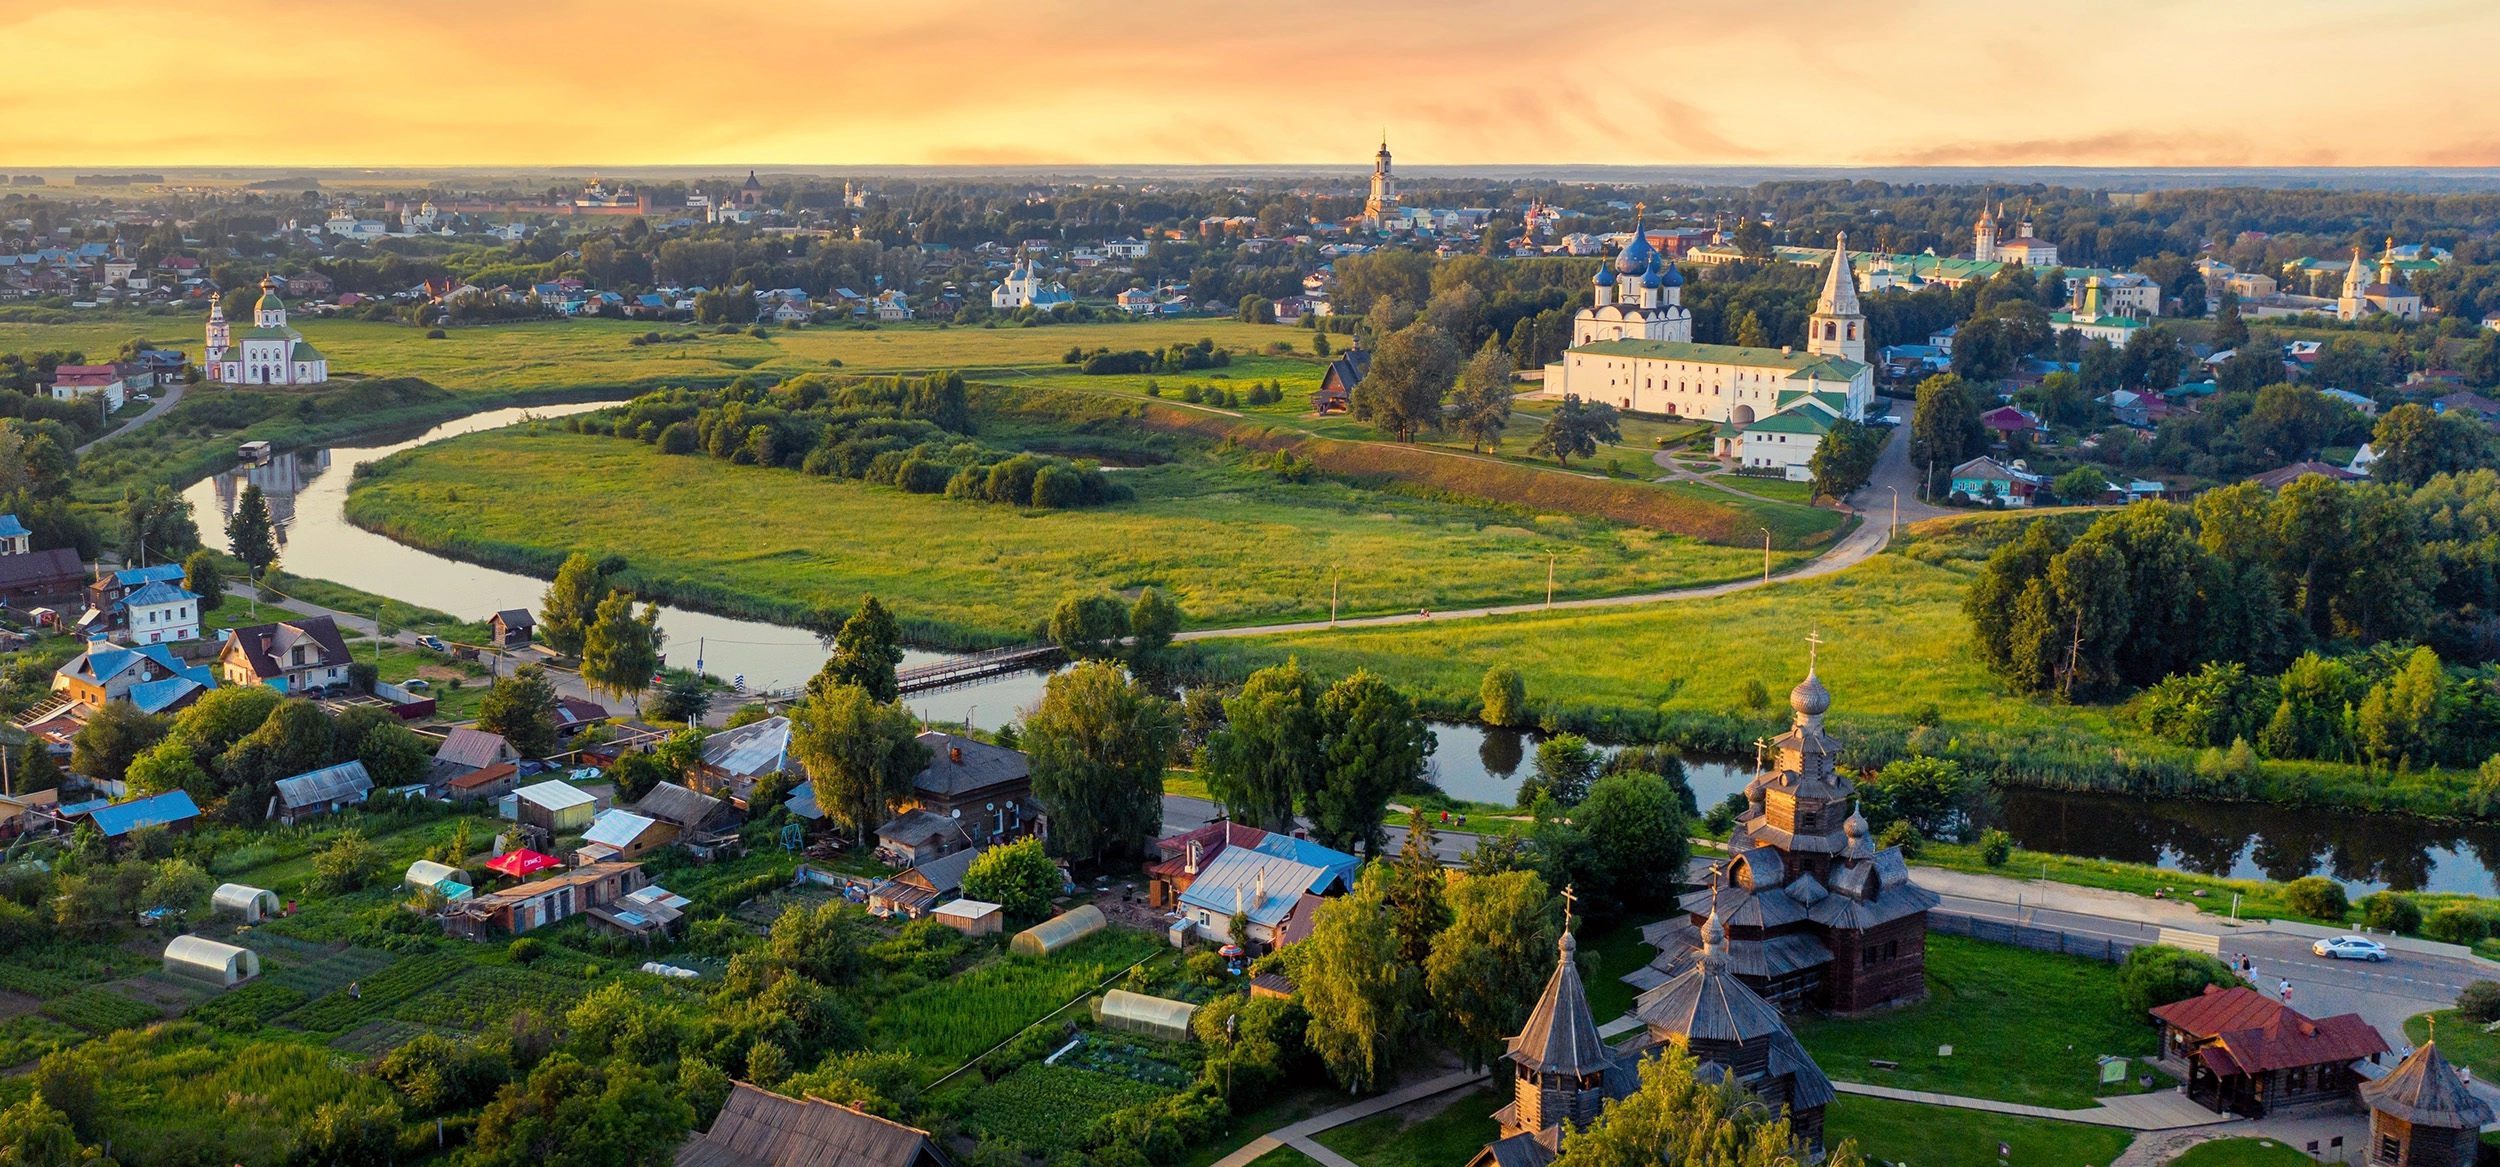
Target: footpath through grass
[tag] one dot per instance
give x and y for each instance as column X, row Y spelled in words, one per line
column 2024, row 1026
column 1233, row 546
column 1943, row 1136
column 1448, row 1137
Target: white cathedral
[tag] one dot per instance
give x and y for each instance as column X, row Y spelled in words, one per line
column 1633, row 349
column 1023, row 287
column 270, row 353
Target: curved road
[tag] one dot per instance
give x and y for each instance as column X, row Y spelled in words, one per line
column 1892, row 472
column 154, row 411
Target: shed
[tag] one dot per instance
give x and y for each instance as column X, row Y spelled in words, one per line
column 555, row 806
column 619, row 833
column 172, row 810
column 512, row 627
column 201, row 958
column 1153, row 1016
column 1056, row 933
column 252, row 903
column 426, row 874
column 320, row 791
column 971, row 917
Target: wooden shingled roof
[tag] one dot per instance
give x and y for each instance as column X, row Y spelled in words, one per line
column 758, row 1128
column 2425, row 1091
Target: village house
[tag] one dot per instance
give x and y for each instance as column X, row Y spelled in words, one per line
column 173, row 811
column 533, row 905
column 915, row 890
column 465, row 751
column 1982, row 479
column 293, row 656
column 159, row 613
column 734, row 759
column 758, row 1128
column 511, row 628
column 575, row 714
column 971, row 794
column 704, row 825
column 149, row 676
column 320, row 792
column 35, row 579
column 1336, row 386
column 2422, row 1114
column 616, row 833
column 648, row 913
column 493, row 781
column 1186, row 855
column 553, row 807
column 2242, row 1052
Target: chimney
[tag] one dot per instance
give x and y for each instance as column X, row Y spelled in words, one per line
column 955, row 754
column 1788, row 350
column 1191, row 868
column 1258, row 897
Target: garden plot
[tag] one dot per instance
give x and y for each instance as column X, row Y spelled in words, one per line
column 101, row 1010
column 376, row 1038
column 1043, row 1109
column 375, row 996
column 1147, row 1063
column 28, row 1037
column 488, row 995
column 323, row 971
column 952, row 1020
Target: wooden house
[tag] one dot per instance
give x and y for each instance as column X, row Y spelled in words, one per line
column 2422, row 1114
column 2242, row 1052
column 970, row 795
column 511, row 628
column 519, row 909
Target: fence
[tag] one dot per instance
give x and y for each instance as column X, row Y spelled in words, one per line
column 2105, row 948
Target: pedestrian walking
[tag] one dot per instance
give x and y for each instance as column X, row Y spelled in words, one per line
column 2287, row 992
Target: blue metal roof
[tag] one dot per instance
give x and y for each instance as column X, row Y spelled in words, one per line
column 159, row 592
column 158, row 695
column 154, row 811
column 1261, row 886
column 1338, row 866
column 132, row 577
column 10, row 528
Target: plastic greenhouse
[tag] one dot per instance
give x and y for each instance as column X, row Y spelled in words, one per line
column 203, row 959
column 426, row 873
column 1056, row 933
column 1153, row 1016
column 252, row 903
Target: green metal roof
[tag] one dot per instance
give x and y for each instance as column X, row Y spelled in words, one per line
column 1799, row 363
column 2096, row 322
column 305, row 352
column 1794, row 421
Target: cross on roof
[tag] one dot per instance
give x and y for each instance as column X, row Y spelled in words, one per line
column 1814, row 643
column 1570, row 899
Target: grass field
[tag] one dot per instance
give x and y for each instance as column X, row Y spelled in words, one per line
column 2242, row 1152
column 567, row 354
column 1446, row 1138
column 2461, row 1041
column 1940, row 1136
column 1233, row 546
column 2024, row 1026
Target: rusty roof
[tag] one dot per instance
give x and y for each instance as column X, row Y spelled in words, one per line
column 758, row 1128
column 2263, row 1034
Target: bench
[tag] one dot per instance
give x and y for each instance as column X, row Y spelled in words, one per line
column 1881, row 1064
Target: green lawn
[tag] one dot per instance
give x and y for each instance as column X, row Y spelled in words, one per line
column 1776, row 489
column 1284, row 1157
column 1939, row 1136
column 1448, row 1138
column 2242, row 1153
column 549, row 354
column 2461, row 1041
column 1232, row 545
column 1618, row 950
column 2024, row 1026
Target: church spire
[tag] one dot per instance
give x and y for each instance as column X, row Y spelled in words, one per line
column 1838, row 328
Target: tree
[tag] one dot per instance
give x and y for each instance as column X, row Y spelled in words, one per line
column 2083, row 484
column 571, row 603
column 1375, row 746
column 2318, row 898
column 115, row 733
column 346, row 863
column 1018, row 877
column 1151, row 623
column 2413, row 444
column 1931, row 794
column 1565, row 764
column 1410, row 374
column 1360, row 996
column 1505, row 696
column 1088, row 625
column 865, row 653
column 1845, row 458
column 177, row 884
column 2157, row 974
column 249, row 534
column 1675, row 1117
column 522, row 707
column 1944, row 424
column 682, row 697
column 862, row 754
column 620, row 651
column 1488, row 965
column 70, row 1086
column 1636, row 827
column 1267, row 752
column 1097, row 745
column 201, row 578
column 1417, row 890
column 395, row 756
column 34, row 1134
column 156, row 524
column 1575, row 430
column 1483, row 398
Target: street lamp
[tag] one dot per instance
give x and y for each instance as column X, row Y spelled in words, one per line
column 1896, row 511
column 1766, row 554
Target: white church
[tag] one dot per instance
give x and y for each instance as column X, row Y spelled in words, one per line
column 1634, row 349
column 1024, row 287
column 270, row 353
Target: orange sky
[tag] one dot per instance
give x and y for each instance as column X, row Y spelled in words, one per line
column 816, row 82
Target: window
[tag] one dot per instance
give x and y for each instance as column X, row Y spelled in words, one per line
column 2390, row 1149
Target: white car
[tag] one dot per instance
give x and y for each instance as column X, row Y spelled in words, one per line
column 2350, row 948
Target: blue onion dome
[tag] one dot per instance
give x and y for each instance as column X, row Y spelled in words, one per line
column 1605, row 276
column 1668, row 276
column 1636, row 254
column 1650, row 277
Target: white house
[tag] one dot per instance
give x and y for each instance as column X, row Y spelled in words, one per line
column 161, row 613
column 2095, row 323
column 1786, row 441
column 892, row 307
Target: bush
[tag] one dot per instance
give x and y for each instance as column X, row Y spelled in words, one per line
column 2456, row 924
column 435, row 334
column 2317, row 897
column 1505, row 696
column 1901, row 833
column 1995, row 847
column 525, row 950
column 2388, row 912
column 2158, row 974
column 1018, row 877
column 2480, row 1002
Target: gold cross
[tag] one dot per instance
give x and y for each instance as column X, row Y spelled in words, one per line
column 1814, row 642
column 1570, row 899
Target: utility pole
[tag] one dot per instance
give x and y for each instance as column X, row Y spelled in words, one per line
column 1896, row 511
column 1766, row 555
column 1332, row 597
column 2074, row 655
column 1549, row 580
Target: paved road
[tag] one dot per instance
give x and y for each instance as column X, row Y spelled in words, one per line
column 164, row 402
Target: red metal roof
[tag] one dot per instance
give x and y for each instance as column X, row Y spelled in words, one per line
column 2220, row 1011
column 2260, row 1033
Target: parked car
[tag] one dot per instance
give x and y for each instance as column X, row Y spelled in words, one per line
column 586, row 774
column 2350, row 948
column 142, row 397
column 413, row 684
column 432, row 642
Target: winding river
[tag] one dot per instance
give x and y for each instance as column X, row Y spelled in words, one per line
column 307, row 491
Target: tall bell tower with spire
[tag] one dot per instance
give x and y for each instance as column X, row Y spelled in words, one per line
column 1382, row 206
column 1838, row 328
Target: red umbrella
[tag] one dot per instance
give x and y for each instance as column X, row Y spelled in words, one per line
column 522, row 863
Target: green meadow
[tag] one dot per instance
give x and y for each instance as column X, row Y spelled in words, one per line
column 1233, row 545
